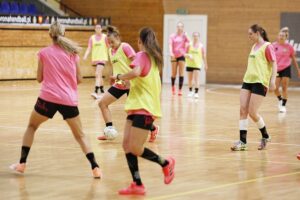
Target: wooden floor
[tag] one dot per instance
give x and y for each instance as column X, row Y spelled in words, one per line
column 198, row 133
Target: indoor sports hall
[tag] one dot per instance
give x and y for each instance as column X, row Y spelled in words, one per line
column 149, row 99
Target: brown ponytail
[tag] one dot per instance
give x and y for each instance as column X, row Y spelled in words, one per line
column 149, row 40
column 256, row 28
column 112, row 30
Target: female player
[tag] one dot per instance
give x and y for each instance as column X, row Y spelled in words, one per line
column 260, row 76
column 284, row 55
column 178, row 43
column 142, row 107
column 59, row 73
column 194, row 61
column 120, row 55
column 98, row 45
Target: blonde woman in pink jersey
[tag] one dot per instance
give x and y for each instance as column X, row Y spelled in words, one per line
column 178, row 43
column 284, row 55
column 59, row 73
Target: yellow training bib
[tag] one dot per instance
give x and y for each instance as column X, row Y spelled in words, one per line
column 259, row 70
column 120, row 61
column 99, row 49
column 197, row 59
column 145, row 92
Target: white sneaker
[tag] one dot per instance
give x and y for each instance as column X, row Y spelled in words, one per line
column 191, row 94
column 282, row 109
column 196, row 95
column 279, row 105
column 94, row 95
column 239, row 146
column 100, row 95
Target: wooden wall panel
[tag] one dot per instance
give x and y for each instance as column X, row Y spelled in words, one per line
column 18, row 51
column 128, row 15
column 21, row 63
column 228, row 22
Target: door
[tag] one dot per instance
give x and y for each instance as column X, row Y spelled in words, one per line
column 192, row 23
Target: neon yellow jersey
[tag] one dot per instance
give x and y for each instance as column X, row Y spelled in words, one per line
column 120, row 61
column 145, row 92
column 99, row 49
column 259, row 70
column 197, row 59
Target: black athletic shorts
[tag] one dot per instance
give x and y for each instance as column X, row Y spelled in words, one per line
column 285, row 73
column 117, row 92
column 191, row 69
column 49, row 109
column 181, row 58
column 256, row 88
column 141, row 121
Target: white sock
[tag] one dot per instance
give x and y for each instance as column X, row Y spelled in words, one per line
column 260, row 124
column 243, row 124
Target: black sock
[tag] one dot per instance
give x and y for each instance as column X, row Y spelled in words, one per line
column 196, row 90
column 96, row 89
column 279, row 98
column 150, row 155
column 243, row 136
column 173, row 80
column 132, row 162
column 264, row 133
column 191, row 89
column 24, row 154
column 152, row 128
column 284, row 102
column 91, row 157
column 109, row 124
column 101, row 89
column 181, row 78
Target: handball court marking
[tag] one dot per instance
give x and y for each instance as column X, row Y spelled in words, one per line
column 222, row 186
column 175, row 155
column 159, row 136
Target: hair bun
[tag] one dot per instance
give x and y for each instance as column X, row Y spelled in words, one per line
column 110, row 29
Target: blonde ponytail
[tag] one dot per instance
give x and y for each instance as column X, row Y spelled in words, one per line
column 57, row 32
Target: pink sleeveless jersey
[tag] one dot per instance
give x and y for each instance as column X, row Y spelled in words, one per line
column 59, row 83
column 283, row 53
column 179, row 44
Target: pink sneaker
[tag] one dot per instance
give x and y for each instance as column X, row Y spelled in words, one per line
column 97, row 173
column 102, row 137
column 133, row 189
column 173, row 90
column 18, row 167
column 169, row 170
column 153, row 134
column 298, row 156
column 179, row 93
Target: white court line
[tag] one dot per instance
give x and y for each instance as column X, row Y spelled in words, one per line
column 195, row 139
column 9, row 113
column 225, row 140
column 238, row 87
column 10, row 89
column 213, row 91
column 101, row 150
